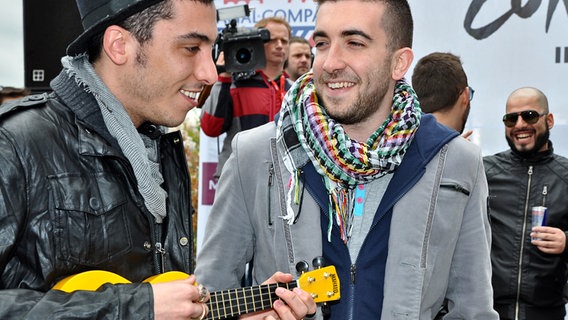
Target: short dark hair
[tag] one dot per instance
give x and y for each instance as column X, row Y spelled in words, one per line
column 12, row 92
column 296, row 39
column 397, row 22
column 140, row 24
column 438, row 80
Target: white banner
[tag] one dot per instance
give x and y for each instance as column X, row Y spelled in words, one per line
column 503, row 45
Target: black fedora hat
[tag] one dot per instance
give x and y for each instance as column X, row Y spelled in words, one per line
column 97, row 15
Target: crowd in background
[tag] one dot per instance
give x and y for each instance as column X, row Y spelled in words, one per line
column 415, row 220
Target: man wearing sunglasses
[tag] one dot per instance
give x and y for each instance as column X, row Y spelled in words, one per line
column 529, row 276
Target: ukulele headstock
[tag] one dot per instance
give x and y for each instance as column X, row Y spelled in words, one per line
column 322, row 284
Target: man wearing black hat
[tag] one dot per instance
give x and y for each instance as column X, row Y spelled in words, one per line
column 91, row 180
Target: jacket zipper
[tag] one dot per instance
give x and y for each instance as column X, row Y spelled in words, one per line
column 159, row 263
column 155, row 228
column 161, row 256
column 544, row 194
column 353, row 268
column 160, row 250
column 270, row 182
column 522, row 249
column 353, row 273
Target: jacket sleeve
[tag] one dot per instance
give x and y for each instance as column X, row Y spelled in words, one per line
column 229, row 233
column 128, row 301
column 18, row 301
column 217, row 111
column 441, row 251
column 470, row 294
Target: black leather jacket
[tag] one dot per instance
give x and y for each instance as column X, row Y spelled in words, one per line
column 69, row 203
column 515, row 185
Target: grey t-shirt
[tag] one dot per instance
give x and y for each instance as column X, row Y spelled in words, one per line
column 374, row 192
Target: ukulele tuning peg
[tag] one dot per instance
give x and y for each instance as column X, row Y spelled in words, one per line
column 302, row 267
column 325, row 310
column 318, row 262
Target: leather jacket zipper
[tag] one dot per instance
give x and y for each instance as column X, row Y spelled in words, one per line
column 544, row 194
column 158, row 232
column 161, row 253
column 155, row 228
column 522, row 249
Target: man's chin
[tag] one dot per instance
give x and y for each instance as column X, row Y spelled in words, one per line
column 522, row 149
column 540, row 143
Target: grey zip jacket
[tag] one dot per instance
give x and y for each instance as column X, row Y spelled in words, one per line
column 438, row 248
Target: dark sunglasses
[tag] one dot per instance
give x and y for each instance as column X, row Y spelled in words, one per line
column 471, row 92
column 529, row 116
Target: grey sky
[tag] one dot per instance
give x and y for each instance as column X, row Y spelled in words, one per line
column 12, row 43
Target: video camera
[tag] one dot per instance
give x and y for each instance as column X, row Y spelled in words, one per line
column 243, row 47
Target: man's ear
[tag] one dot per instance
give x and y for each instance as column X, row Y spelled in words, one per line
column 463, row 98
column 401, row 61
column 115, row 41
column 549, row 120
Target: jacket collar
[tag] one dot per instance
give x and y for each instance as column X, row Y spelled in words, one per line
column 85, row 107
column 539, row 157
column 429, row 139
column 82, row 104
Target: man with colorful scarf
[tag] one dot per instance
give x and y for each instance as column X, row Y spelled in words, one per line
column 91, row 179
column 353, row 171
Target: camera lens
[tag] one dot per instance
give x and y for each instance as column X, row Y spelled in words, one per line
column 243, row 55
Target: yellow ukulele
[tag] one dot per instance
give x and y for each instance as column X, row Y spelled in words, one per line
column 322, row 284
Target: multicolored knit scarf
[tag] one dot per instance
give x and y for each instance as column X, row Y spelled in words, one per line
column 307, row 133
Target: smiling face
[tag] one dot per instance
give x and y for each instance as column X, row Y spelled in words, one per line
column 523, row 137
column 354, row 69
column 160, row 81
column 352, row 62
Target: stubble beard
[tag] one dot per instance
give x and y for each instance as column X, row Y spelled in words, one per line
column 540, row 141
column 368, row 99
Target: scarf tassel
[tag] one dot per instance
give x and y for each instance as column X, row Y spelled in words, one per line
column 340, row 211
column 293, row 197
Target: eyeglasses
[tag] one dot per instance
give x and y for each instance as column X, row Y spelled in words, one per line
column 529, row 116
column 471, row 92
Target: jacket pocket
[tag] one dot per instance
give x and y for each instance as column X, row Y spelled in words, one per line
column 452, row 200
column 90, row 217
column 450, row 205
column 455, row 187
